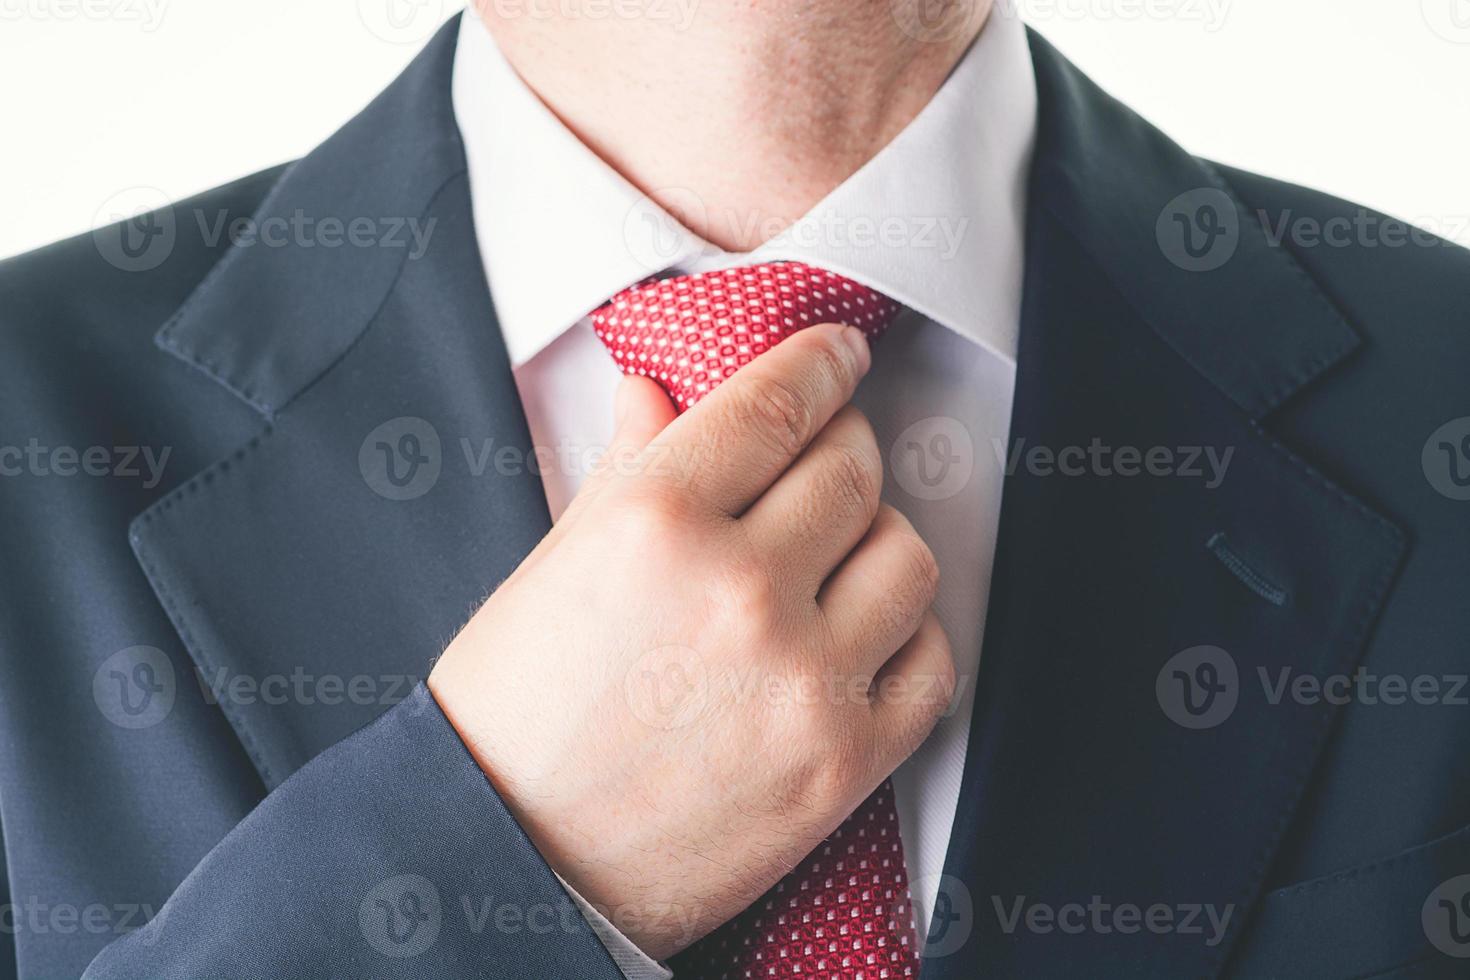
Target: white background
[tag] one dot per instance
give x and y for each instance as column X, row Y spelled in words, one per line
column 1367, row 99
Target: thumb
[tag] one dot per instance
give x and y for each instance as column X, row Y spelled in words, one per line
column 641, row 410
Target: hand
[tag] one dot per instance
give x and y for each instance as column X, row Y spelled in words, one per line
column 721, row 648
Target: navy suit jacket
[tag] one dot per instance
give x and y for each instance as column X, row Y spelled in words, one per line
column 211, row 718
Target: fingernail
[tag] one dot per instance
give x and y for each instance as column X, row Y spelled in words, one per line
column 856, row 340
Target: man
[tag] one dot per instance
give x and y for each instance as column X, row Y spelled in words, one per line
column 727, row 711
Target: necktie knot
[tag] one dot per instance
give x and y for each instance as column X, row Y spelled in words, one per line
column 689, row 333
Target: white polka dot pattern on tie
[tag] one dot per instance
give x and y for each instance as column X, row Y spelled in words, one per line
column 689, row 333
column 842, row 914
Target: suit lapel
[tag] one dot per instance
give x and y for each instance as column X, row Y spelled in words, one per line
column 315, row 572
column 1133, row 761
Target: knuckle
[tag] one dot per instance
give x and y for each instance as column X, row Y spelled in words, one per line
column 892, row 615
column 855, row 477
column 749, row 596
column 863, row 433
column 843, row 760
column 918, row 569
column 944, row 686
column 928, row 691
column 946, row 679
column 833, row 366
column 655, row 514
column 935, row 685
column 907, row 583
column 918, row 724
column 777, row 410
column 850, row 751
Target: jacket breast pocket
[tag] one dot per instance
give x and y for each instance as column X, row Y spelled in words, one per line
column 1405, row 917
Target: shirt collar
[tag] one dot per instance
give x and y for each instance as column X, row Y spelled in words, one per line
column 935, row 220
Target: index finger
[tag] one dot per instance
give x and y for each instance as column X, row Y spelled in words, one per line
column 733, row 444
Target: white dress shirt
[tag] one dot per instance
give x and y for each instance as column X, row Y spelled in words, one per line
column 935, row 220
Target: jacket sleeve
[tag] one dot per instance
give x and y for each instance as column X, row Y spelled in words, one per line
column 389, row 855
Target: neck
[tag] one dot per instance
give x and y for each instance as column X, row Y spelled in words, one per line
column 736, row 121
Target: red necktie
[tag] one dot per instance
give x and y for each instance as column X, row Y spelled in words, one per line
column 689, row 333
column 844, row 912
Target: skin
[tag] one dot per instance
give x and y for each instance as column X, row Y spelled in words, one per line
column 719, row 651
column 727, row 642
column 742, row 115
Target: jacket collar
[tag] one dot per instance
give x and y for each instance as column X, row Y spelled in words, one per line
column 1187, row 253
column 392, row 483
column 271, row 318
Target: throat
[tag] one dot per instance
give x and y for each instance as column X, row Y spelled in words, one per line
column 737, row 116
